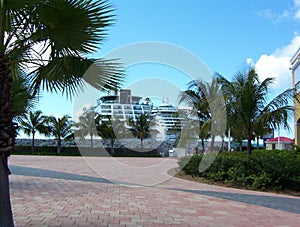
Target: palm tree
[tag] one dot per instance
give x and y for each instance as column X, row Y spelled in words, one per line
column 32, row 123
column 195, row 98
column 48, row 40
column 111, row 130
column 208, row 108
column 248, row 107
column 60, row 129
column 141, row 127
column 86, row 125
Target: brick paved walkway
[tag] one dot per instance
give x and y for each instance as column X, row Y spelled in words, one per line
column 95, row 191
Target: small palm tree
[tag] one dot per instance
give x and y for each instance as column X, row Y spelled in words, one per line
column 248, row 108
column 60, row 129
column 86, row 125
column 32, row 123
column 109, row 129
column 206, row 100
column 141, row 127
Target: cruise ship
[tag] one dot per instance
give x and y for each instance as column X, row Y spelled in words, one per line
column 122, row 105
column 167, row 117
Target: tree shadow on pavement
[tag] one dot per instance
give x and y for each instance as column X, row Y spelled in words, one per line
column 36, row 172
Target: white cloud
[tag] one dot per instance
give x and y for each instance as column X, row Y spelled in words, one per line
column 292, row 12
column 277, row 65
column 297, row 9
column 290, row 49
column 250, row 61
column 275, row 17
column 297, row 14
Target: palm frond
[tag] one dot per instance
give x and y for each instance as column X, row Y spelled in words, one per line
column 80, row 24
column 22, row 96
column 67, row 75
column 60, row 127
column 284, row 98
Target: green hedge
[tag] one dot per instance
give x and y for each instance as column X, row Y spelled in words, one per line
column 75, row 151
column 263, row 170
column 45, row 150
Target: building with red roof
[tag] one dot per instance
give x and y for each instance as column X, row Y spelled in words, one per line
column 284, row 143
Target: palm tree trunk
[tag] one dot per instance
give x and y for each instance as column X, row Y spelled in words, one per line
column 58, row 146
column 141, row 146
column 222, row 143
column 241, row 145
column 6, row 218
column 249, row 147
column 203, row 145
column 112, row 150
column 212, row 145
column 7, row 141
column 32, row 142
column 91, row 135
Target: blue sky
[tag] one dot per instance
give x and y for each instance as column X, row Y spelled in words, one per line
column 223, row 34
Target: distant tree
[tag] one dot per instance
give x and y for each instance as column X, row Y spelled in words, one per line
column 60, row 129
column 194, row 97
column 206, row 100
column 86, row 125
column 248, row 106
column 109, row 129
column 141, row 127
column 32, row 123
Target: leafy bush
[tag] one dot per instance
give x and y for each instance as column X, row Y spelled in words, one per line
column 191, row 166
column 45, row 150
column 263, row 170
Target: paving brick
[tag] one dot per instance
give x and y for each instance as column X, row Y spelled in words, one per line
column 76, row 191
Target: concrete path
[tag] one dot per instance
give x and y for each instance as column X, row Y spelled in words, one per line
column 98, row 191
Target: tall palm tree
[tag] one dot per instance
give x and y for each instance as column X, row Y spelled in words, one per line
column 60, row 129
column 86, row 125
column 194, row 97
column 248, row 106
column 208, row 108
column 48, row 40
column 32, row 123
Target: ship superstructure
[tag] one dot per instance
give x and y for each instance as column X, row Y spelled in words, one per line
column 122, row 106
column 167, row 117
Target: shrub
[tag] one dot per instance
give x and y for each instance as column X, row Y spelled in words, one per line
column 262, row 181
column 190, row 166
column 264, row 169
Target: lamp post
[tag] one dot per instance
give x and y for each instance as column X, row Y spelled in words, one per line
column 229, row 142
column 278, row 141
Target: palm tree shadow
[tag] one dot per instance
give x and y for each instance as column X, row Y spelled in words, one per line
column 36, row 172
